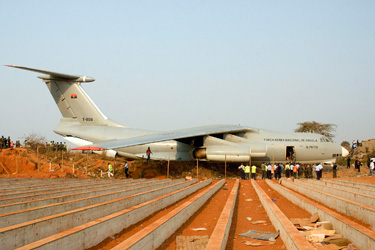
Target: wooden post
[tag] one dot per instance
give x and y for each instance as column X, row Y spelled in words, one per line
column 87, row 160
column 114, row 165
column 168, row 169
column 73, row 168
column 225, row 166
column 37, row 156
column 101, row 173
column 250, row 167
column 197, row 168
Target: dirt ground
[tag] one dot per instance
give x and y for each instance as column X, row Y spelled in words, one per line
column 23, row 163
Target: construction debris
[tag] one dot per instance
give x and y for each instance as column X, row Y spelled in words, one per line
column 260, row 235
column 192, row 242
column 199, row 229
column 320, row 233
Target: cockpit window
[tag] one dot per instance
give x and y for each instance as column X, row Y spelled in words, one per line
column 325, row 139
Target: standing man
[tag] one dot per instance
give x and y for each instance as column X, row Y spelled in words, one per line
column 348, row 162
column 247, row 171
column 357, row 164
column 318, row 170
column 269, row 171
column 287, row 170
column 126, row 169
column 334, row 169
column 148, row 153
column 295, row 168
column 242, row 171
column 253, row 172
column 110, row 169
column 372, row 166
column 263, row 167
column 281, row 167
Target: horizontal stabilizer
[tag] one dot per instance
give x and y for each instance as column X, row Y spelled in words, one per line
column 56, row 75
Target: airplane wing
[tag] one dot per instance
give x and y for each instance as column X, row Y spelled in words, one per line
column 165, row 136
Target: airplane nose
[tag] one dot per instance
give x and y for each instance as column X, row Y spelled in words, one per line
column 345, row 152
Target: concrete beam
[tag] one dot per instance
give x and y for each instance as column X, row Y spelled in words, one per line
column 361, row 236
column 357, row 189
column 109, row 191
column 344, row 193
column 92, row 233
column 348, row 207
column 292, row 239
column 155, row 234
column 12, row 218
column 30, row 231
column 219, row 236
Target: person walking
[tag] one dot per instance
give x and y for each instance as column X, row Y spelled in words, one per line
column 148, row 153
column 126, row 169
column 334, row 170
column 372, row 166
column 110, row 169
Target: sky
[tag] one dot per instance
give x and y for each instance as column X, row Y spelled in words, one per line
column 166, row 65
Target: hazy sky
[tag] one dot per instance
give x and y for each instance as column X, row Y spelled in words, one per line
column 175, row 64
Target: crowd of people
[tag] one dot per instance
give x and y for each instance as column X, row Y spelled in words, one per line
column 56, row 146
column 278, row 170
column 8, row 143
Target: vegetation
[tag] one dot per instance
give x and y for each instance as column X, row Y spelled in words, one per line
column 316, row 127
column 345, row 144
column 33, row 140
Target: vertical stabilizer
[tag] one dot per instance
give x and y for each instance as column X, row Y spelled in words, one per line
column 71, row 99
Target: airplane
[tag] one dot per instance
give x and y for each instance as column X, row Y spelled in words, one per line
column 84, row 125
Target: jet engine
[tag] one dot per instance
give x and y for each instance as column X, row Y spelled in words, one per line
column 241, row 153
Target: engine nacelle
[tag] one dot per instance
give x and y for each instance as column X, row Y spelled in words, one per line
column 222, row 153
column 240, row 153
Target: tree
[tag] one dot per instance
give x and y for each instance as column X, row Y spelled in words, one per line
column 33, row 139
column 345, row 144
column 316, row 127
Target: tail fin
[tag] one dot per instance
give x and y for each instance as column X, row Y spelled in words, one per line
column 71, row 99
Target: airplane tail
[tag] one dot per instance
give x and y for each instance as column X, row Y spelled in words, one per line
column 71, row 99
